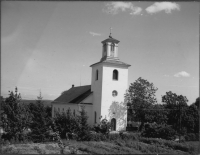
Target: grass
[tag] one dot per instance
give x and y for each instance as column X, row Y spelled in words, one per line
column 126, row 145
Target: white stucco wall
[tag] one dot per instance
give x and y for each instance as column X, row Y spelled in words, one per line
column 64, row 106
column 108, row 85
column 89, row 109
column 96, row 88
column 76, row 107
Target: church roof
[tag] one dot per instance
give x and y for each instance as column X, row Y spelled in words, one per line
column 110, row 39
column 112, row 61
column 74, row 94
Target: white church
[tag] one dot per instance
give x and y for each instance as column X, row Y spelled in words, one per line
column 109, row 83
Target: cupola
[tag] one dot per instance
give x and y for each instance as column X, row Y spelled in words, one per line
column 110, row 48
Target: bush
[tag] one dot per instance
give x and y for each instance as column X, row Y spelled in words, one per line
column 103, row 127
column 159, row 131
column 192, row 137
column 98, row 137
column 129, row 136
column 73, row 127
column 166, row 132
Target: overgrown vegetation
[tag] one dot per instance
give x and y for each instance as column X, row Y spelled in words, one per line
column 168, row 120
column 160, row 124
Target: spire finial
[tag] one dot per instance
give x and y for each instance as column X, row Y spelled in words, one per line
column 110, row 32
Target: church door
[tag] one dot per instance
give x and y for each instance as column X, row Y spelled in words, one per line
column 113, row 124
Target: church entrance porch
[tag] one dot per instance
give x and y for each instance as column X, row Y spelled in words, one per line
column 113, row 124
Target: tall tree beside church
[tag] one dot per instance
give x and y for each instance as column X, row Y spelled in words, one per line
column 141, row 96
column 177, row 107
column 15, row 117
column 41, row 121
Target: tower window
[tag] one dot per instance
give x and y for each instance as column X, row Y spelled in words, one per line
column 97, row 74
column 112, row 46
column 104, row 47
column 115, row 75
column 95, row 117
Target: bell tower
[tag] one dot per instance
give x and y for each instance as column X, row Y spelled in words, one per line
column 110, row 48
column 109, row 83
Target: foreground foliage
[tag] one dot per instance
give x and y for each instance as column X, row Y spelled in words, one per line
column 15, row 118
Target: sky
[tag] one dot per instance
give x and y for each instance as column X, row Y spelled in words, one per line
column 48, row 46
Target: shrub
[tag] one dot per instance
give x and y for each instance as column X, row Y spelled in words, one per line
column 129, row 136
column 73, row 127
column 103, row 127
column 158, row 131
column 166, row 132
column 113, row 136
column 98, row 137
column 192, row 137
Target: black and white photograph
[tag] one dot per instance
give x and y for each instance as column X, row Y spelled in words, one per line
column 100, row 77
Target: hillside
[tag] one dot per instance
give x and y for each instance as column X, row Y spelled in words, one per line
column 45, row 102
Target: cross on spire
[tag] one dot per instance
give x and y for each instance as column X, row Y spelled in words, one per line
column 110, row 32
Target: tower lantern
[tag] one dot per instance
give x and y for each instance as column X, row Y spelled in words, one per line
column 110, row 48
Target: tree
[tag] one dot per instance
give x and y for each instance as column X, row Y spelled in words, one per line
column 157, row 114
column 73, row 126
column 176, row 106
column 41, row 120
column 141, row 96
column 197, row 102
column 67, row 123
column 16, row 117
column 190, row 119
column 83, row 133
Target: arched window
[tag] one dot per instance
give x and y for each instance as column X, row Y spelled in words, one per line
column 95, row 117
column 112, row 46
column 104, row 47
column 97, row 74
column 115, row 75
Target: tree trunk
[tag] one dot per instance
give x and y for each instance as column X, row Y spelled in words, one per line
column 141, row 126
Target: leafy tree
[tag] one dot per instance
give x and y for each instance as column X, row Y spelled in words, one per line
column 154, row 130
column 73, row 127
column 141, row 96
column 41, row 120
column 190, row 119
column 197, row 102
column 67, row 123
column 15, row 117
column 176, row 105
column 157, row 114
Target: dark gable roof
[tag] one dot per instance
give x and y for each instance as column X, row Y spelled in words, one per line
column 74, row 94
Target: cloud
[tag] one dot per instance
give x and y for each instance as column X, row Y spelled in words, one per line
column 162, row 6
column 166, row 75
column 182, row 74
column 116, row 7
column 95, row 34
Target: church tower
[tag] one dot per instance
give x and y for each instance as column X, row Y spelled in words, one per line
column 109, row 83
